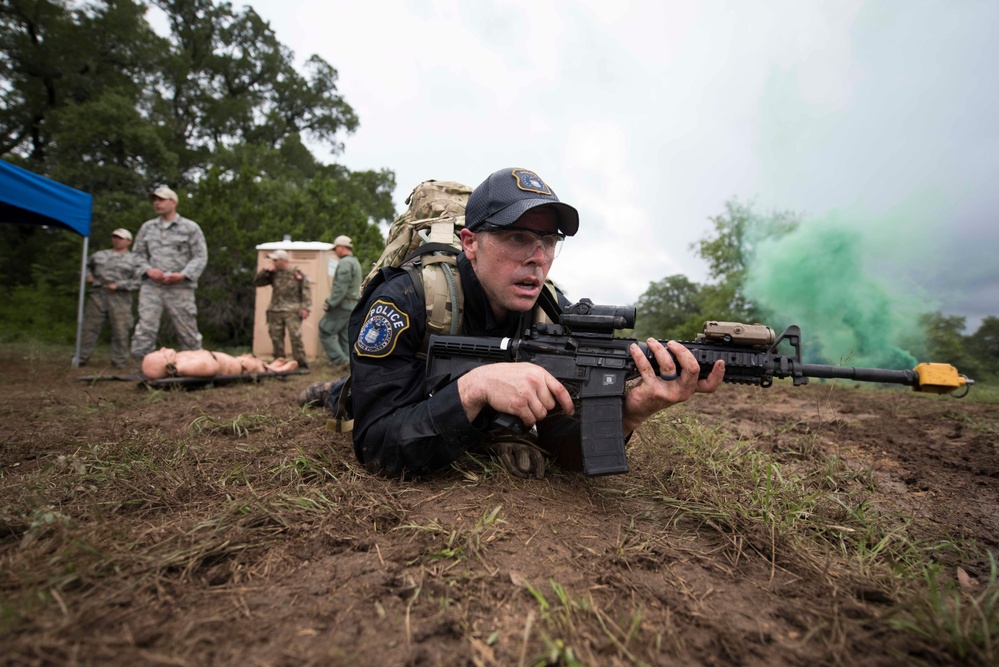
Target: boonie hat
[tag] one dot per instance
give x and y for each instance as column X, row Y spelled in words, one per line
column 163, row 192
column 279, row 254
column 509, row 193
column 123, row 233
column 344, row 241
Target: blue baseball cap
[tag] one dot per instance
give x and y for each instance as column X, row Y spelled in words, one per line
column 509, row 193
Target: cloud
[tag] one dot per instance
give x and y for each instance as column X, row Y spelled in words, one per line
column 648, row 116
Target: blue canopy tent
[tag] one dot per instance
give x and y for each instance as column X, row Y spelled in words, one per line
column 29, row 199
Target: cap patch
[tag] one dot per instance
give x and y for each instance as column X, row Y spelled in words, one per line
column 528, row 181
column 381, row 329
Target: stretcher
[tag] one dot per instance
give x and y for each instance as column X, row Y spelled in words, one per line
column 190, row 381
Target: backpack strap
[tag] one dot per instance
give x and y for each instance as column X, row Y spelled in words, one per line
column 343, row 421
column 547, row 310
column 436, row 280
column 431, row 248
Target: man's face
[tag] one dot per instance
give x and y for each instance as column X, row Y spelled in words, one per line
column 119, row 243
column 164, row 206
column 341, row 251
column 281, row 264
column 510, row 283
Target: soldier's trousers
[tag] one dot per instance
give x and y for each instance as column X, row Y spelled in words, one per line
column 178, row 301
column 277, row 322
column 333, row 335
column 114, row 308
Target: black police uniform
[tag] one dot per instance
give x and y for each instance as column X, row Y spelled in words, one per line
column 397, row 426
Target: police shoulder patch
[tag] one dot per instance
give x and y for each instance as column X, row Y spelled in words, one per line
column 528, row 181
column 381, row 329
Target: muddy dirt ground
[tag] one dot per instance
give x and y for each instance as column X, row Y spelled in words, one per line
column 227, row 526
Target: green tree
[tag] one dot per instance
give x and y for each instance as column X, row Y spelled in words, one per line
column 244, row 207
column 946, row 344
column 728, row 250
column 70, row 76
column 228, row 80
column 54, row 54
column 667, row 308
column 217, row 110
column 984, row 344
column 677, row 307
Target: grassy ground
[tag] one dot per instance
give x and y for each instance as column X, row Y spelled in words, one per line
column 816, row 525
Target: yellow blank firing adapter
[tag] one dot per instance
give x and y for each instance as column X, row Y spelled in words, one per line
column 941, row 379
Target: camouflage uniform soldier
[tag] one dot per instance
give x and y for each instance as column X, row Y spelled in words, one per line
column 172, row 253
column 291, row 302
column 342, row 299
column 113, row 276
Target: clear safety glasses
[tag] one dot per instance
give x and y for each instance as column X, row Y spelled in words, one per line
column 520, row 243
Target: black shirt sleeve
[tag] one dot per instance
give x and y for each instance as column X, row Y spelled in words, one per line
column 397, row 425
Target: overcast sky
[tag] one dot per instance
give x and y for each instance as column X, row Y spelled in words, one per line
column 882, row 116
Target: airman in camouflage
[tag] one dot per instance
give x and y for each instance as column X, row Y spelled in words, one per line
column 343, row 297
column 172, row 253
column 113, row 276
column 291, row 302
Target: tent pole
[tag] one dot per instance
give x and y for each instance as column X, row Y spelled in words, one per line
column 79, row 306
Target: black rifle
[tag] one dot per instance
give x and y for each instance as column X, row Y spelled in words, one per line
column 582, row 353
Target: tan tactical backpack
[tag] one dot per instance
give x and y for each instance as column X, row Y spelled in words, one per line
column 425, row 238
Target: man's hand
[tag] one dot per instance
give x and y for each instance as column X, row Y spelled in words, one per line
column 524, row 390
column 112, row 287
column 155, row 274
column 653, row 394
column 172, row 278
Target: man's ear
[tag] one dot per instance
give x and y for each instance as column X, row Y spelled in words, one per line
column 469, row 243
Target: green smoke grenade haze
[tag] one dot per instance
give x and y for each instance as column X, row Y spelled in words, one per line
column 816, row 277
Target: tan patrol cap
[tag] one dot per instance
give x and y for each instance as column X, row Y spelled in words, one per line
column 163, row 192
column 344, row 241
column 279, row 254
column 123, row 233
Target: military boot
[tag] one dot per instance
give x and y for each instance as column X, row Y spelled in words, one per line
column 316, row 394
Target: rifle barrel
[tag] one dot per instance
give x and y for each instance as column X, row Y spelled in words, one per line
column 906, row 377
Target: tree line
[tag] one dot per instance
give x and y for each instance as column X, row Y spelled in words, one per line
column 216, row 109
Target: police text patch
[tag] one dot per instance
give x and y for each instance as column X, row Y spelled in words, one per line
column 381, row 329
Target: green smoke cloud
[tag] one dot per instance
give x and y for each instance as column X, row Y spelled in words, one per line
column 820, row 277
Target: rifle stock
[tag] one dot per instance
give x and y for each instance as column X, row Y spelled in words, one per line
column 582, row 353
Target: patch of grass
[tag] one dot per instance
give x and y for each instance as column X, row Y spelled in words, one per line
column 744, row 486
column 461, row 540
column 986, row 425
column 239, row 426
column 818, row 518
column 305, row 468
column 476, row 468
column 985, row 390
column 961, row 617
column 570, row 616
